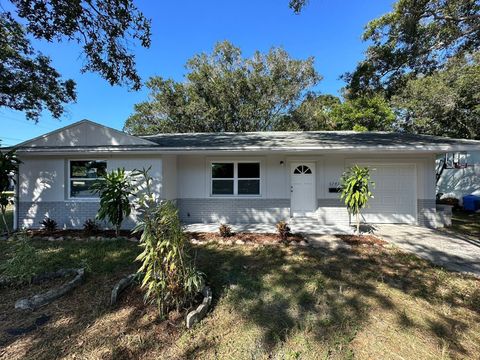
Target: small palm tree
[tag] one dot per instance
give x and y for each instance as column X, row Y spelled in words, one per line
column 114, row 190
column 355, row 186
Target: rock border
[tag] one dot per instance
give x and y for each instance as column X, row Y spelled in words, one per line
column 120, row 286
column 199, row 313
column 45, row 298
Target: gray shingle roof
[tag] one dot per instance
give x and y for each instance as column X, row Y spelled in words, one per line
column 303, row 140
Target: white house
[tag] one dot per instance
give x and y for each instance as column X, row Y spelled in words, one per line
column 458, row 182
column 233, row 177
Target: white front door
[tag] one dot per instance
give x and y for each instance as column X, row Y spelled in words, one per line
column 302, row 182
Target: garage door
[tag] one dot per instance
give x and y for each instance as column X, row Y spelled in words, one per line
column 394, row 194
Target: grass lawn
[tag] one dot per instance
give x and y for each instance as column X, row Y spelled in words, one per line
column 466, row 223
column 269, row 302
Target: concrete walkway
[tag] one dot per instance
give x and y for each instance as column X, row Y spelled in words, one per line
column 454, row 252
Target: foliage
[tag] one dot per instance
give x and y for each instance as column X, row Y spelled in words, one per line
column 283, row 230
column 24, row 262
column 9, row 164
column 225, row 230
column 355, row 185
column 417, row 37
column 327, row 112
column 445, row 103
column 224, row 91
column 114, row 190
column 49, row 225
column 90, row 226
column 104, row 29
column 169, row 278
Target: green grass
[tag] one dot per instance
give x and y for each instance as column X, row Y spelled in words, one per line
column 269, row 302
column 466, row 223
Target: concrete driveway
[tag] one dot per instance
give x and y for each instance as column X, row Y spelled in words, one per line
column 454, row 252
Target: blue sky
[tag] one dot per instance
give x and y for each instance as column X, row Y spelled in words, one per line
column 329, row 30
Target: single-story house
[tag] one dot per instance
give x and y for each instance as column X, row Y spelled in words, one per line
column 258, row 177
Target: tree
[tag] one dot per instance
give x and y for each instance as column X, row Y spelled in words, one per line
column 327, row 112
column 225, row 92
column 355, row 185
column 114, row 190
column 366, row 113
column 446, row 103
column 417, row 38
column 9, row 164
column 104, row 29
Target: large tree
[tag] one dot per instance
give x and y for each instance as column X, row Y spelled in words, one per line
column 105, row 29
column 444, row 103
column 417, row 37
column 224, row 91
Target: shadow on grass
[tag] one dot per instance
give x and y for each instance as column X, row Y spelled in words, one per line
column 330, row 295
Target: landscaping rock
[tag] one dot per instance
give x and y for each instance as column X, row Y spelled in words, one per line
column 39, row 300
column 120, row 286
column 303, row 243
column 133, row 239
column 239, row 242
column 199, row 313
column 51, row 238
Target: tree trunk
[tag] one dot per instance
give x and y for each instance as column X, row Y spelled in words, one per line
column 358, row 224
column 5, row 222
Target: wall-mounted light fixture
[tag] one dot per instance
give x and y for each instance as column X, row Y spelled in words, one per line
column 282, row 163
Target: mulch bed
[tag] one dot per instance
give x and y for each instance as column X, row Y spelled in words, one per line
column 81, row 233
column 356, row 240
column 246, row 237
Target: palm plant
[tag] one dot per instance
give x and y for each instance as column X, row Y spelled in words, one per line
column 114, row 190
column 9, row 164
column 355, row 186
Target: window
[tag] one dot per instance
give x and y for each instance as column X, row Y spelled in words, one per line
column 302, row 169
column 236, row 178
column 83, row 173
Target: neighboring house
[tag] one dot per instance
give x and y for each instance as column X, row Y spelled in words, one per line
column 460, row 182
column 233, row 177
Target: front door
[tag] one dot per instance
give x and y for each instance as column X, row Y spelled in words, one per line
column 302, row 182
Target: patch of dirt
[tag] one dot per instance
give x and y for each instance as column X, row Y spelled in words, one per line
column 356, row 240
column 247, row 237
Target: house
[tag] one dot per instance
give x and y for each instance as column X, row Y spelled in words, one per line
column 460, row 181
column 233, row 177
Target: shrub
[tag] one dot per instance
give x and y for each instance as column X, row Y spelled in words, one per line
column 169, row 277
column 115, row 191
column 450, row 201
column 23, row 264
column 49, row 225
column 355, row 185
column 225, row 230
column 90, row 227
column 283, row 230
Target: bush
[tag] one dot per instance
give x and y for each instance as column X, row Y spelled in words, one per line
column 450, row 201
column 49, row 225
column 23, row 264
column 91, row 227
column 169, row 277
column 283, row 230
column 225, row 231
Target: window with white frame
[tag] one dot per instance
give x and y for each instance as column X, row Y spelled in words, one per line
column 235, row 178
column 82, row 175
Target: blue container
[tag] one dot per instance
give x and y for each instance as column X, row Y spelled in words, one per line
column 471, row 202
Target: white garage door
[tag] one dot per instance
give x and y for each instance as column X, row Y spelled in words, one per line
column 394, row 194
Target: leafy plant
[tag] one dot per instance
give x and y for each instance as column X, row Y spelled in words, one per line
column 168, row 275
column 283, row 230
column 114, row 190
column 49, row 225
column 355, row 184
column 90, row 227
column 9, row 164
column 23, row 264
column 225, row 230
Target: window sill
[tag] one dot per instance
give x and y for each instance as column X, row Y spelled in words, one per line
column 82, row 200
